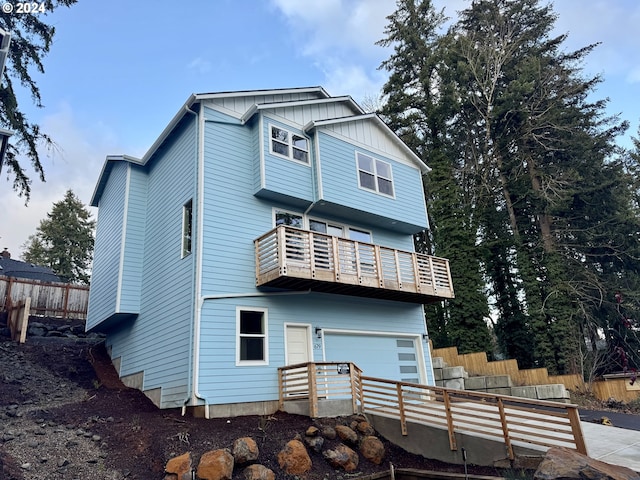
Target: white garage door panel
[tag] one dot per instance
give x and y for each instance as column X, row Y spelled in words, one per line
column 377, row 355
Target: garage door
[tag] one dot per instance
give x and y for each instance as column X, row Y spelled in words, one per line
column 393, row 358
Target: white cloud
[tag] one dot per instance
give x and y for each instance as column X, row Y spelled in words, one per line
column 200, row 65
column 75, row 165
column 335, row 32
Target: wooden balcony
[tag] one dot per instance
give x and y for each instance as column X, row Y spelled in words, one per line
column 295, row 259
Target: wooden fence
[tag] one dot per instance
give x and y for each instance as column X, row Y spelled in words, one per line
column 620, row 388
column 504, row 418
column 47, row 298
column 477, row 364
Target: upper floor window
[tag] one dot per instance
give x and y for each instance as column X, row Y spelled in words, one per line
column 289, row 145
column 187, row 227
column 374, row 174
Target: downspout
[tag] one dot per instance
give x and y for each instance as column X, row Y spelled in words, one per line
column 194, row 396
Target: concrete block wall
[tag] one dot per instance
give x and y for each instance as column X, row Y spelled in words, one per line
column 458, row 378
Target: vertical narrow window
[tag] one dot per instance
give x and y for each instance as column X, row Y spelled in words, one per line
column 252, row 348
column 187, row 227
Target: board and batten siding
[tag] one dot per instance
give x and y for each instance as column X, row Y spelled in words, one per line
column 221, row 381
column 105, row 273
column 157, row 343
column 340, row 184
column 238, row 105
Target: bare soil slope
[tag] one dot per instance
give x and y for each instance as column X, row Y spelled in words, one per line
column 64, row 414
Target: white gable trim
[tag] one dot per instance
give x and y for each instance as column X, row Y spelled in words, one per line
column 298, row 103
column 317, row 124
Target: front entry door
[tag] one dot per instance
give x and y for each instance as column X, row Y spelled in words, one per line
column 298, row 338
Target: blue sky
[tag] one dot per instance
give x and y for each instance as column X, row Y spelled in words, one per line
column 119, row 70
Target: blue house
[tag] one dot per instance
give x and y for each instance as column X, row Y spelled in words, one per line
column 262, row 229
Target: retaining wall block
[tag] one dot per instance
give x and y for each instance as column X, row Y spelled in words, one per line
column 457, row 383
column 499, row 381
column 525, row 392
column 454, row 372
column 552, row 391
column 438, row 362
column 475, row 383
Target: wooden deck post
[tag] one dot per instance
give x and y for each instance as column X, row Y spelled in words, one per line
column 505, row 429
column 447, row 408
column 280, row 389
column 313, row 390
column 576, row 429
column 353, row 378
column 403, row 418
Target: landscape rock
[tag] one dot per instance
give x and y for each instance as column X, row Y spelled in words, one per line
column 258, row 472
column 328, row 432
column 314, row 443
column 365, row 428
column 312, row 431
column 215, row 465
column 179, row 467
column 347, row 434
column 372, row 449
column 245, row 450
column 294, row 459
column 342, row 457
column 561, row 463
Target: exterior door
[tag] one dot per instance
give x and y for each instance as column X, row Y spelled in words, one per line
column 298, row 338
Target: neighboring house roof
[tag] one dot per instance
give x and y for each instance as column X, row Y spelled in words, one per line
column 18, row 269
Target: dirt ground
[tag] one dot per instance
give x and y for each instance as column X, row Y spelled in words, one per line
column 64, row 414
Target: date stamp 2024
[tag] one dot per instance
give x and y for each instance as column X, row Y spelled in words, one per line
column 24, row 7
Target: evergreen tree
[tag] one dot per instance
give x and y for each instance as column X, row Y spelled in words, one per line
column 31, row 39
column 528, row 195
column 418, row 106
column 64, row 240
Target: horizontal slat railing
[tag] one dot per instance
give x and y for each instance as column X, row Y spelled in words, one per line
column 501, row 417
column 292, row 252
column 315, row 380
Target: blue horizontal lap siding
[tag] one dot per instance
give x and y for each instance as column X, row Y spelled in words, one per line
column 134, row 251
column 340, row 184
column 233, row 216
column 221, row 381
column 106, row 258
column 158, row 342
column 287, row 177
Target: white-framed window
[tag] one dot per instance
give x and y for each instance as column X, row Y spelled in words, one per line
column 252, row 345
column 288, row 144
column 374, row 174
column 187, row 228
column 287, row 217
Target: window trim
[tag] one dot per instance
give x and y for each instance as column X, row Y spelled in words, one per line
column 186, row 245
column 375, row 174
column 264, row 336
column 290, row 145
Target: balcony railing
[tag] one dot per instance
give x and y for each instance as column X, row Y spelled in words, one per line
column 287, row 257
